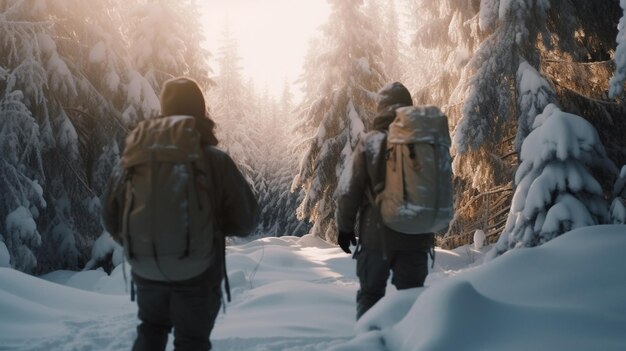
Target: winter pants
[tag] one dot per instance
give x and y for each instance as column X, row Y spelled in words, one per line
column 409, row 268
column 189, row 307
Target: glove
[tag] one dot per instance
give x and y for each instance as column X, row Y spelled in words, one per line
column 344, row 239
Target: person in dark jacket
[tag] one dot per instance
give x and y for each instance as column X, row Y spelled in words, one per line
column 190, row 306
column 380, row 249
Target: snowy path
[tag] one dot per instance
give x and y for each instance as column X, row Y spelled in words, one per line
column 297, row 294
column 288, row 294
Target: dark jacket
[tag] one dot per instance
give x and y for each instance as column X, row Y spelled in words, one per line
column 368, row 174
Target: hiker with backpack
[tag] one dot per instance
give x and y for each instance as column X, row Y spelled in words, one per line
column 171, row 201
column 400, row 186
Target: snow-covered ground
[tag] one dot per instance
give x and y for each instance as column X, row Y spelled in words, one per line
column 294, row 293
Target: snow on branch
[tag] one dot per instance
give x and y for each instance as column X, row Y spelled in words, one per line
column 555, row 191
column 534, row 94
column 616, row 85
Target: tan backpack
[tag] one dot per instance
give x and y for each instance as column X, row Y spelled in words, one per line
column 168, row 223
column 417, row 197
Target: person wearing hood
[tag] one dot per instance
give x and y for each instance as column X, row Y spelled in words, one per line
column 190, row 303
column 381, row 250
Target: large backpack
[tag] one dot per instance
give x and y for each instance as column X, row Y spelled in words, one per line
column 168, row 224
column 417, row 197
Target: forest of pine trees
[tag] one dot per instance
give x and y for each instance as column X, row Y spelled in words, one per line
column 76, row 76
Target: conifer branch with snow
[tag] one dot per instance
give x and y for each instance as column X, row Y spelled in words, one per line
column 616, row 85
column 340, row 81
column 555, row 190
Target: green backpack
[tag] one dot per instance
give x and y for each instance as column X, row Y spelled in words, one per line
column 417, row 197
column 168, row 221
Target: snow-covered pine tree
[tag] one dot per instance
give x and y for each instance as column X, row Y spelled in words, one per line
column 288, row 200
column 387, row 24
column 444, row 36
column 196, row 56
column 68, row 64
column 269, row 141
column 111, row 96
column 21, row 172
column 232, row 108
column 534, row 93
column 618, row 80
column 488, row 84
column 617, row 212
column 165, row 37
column 31, row 118
column 340, row 82
column 485, row 54
column 578, row 63
column 278, row 204
column 556, row 191
column 286, row 103
column 81, row 111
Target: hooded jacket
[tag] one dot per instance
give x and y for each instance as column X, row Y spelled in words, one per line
column 368, row 175
column 236, row 208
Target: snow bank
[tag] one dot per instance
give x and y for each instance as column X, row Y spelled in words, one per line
column 32, row 307
column 294, row 293
column 565, row 295
column 5, row 257
column 288, row 293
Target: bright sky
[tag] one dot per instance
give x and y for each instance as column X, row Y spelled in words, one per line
column 273, row 35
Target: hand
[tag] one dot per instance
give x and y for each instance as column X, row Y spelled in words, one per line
column 344, row 239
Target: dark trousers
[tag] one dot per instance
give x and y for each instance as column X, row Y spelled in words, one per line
column 189, row 307
column 409, row 268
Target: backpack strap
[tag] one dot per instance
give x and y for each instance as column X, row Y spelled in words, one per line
column 194, row 201
column 437, row 191
column 133, row 292
column 128, row 207
column 153, row 190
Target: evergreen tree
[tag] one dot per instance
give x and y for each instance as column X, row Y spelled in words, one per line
column 445, row 35
column 534, row 94
column 479, row 48
column 68, row 92
column 556, row 191
column 493, row 65
column 36, row 78
column 488, row 85
column 270, row 142
column 21, row 172
column 618, row 80
column 617, row 212
column 232, row 108
column 278, row 204
column 286, row 104
column 387, row 22
column 165, row 38
column 340, row 82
